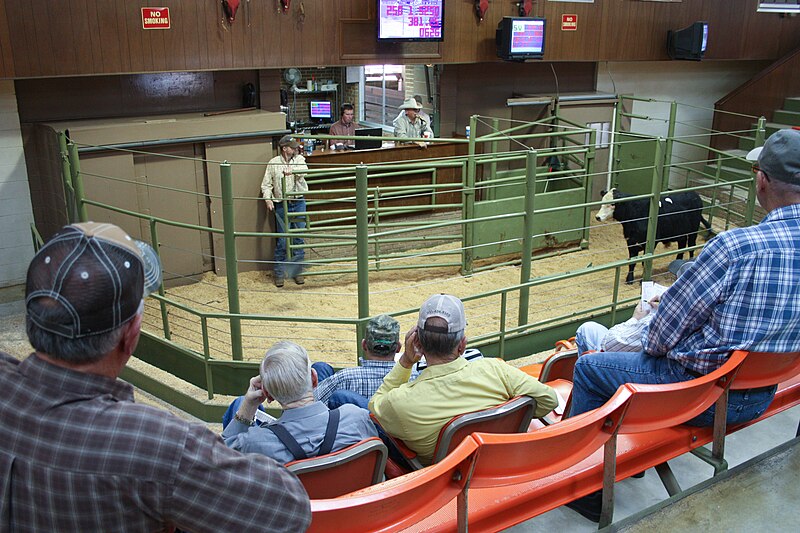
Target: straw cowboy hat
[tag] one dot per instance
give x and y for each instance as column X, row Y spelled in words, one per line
column 411, row 103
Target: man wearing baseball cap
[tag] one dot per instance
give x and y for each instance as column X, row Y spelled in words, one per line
column 283, row 187
column 741, row 293
column 415, row 412
column 76, row 454
column 356, row 385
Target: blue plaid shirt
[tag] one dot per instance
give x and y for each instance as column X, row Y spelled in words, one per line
column 743, row 292
column 364, row 379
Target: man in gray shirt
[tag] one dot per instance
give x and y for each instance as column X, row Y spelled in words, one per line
column 306, row 428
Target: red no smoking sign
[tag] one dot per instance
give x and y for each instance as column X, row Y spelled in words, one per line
column 155, row 18
column 569, row 22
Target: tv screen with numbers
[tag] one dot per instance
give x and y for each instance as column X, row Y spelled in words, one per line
column 410, row 20
column 520, row 38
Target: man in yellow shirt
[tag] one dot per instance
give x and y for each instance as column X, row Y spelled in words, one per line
column 415, row 412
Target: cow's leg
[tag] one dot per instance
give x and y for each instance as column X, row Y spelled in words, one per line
column 681, row 245
column 693, row 241
column 633, row 251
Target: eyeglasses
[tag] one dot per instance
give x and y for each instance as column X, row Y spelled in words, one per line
column 756, row 169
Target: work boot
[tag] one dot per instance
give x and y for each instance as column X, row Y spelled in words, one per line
column 278, row 281
column 590, row 506
column 299, row 279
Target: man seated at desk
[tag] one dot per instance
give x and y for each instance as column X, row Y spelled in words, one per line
column 411, row 125
column 345, row 126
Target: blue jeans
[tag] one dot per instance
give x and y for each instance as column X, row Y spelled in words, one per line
column 339, row 397
column 589, row 337
column 598, row 375
column 295, row 266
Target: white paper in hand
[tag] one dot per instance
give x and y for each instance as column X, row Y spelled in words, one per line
column 650, row 289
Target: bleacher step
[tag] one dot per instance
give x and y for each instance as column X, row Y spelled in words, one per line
column 787, row 117
column 792, row 103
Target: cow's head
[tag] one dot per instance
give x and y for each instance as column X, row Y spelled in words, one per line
column 607, row 209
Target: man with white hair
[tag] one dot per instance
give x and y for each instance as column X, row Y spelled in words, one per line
column 307, row 428
column 450, row 385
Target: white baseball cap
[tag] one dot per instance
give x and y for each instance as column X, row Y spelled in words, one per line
column 443, row 306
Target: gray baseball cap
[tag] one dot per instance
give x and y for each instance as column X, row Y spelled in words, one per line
column 779, row 158
column 445, row 306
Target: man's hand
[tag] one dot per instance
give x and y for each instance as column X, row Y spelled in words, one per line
column 422, row 145
column 287, row 172
column 270, row 205
column 254, row 397
column 413, row 351
column 640, row 312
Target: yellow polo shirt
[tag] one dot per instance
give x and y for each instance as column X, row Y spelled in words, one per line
column 415, row 412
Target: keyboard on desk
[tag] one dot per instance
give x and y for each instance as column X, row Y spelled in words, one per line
column 313, row 128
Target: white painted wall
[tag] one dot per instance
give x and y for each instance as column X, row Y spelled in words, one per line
column 696, row 85
column 16, row 215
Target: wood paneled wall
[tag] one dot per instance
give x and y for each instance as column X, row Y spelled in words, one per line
column 41, row 38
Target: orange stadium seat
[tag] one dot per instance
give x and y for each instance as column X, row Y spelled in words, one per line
column 513, row 416
column 404, row 501
column 355, row 467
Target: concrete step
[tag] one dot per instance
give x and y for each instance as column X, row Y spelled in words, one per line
column 736, row 159
column 787, row 117
column 792, row 104
column 772, row 127
column 746, row 142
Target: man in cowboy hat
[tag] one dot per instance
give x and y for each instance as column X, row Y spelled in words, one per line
column 411, row 125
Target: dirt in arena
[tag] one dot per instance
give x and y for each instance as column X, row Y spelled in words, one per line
column 335, row 296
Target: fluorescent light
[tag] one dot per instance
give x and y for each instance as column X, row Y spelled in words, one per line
column 770, row 7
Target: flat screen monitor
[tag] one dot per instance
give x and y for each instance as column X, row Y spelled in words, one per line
column 689, row 43
column 366, row 144
column 520, row 38
column 410, row 20
column 320, row 110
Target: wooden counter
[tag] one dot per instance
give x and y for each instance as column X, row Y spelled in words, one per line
column 400, row 153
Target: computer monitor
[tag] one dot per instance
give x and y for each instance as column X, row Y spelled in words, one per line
column 410, row 20
column 689, row 43
column 320, row 110
column 366, row 144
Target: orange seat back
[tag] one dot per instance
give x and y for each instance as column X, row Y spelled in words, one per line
column 342, row 471
column 519, row 458
column 401, row 502
column 512, row 416
column 660, row 406
column 762, row 369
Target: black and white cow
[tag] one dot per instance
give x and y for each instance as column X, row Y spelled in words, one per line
column 679, row 218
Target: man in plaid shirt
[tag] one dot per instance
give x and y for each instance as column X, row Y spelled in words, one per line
column 742, row 293
column 76, row 454
column 357, row 384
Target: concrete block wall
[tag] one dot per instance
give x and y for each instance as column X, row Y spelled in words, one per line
column 16, row 215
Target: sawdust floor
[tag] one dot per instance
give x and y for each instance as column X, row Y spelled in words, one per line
column 391, row 291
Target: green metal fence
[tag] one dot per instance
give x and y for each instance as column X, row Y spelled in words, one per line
column 509, row 204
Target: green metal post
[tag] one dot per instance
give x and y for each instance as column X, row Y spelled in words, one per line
column 362, row 249
column 614, row 147
column 761, row 132
column 468, row 197
column 377, row 227
column 231, row 263
column 490, row 194
column 658, row 167
column 751, row 202
column 157, row 247
column 66, row 173
column 527, row 235
column 77, row 182
column 673, row 113
column 587, row 185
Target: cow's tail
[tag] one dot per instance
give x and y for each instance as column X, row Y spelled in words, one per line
column 710, row 233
